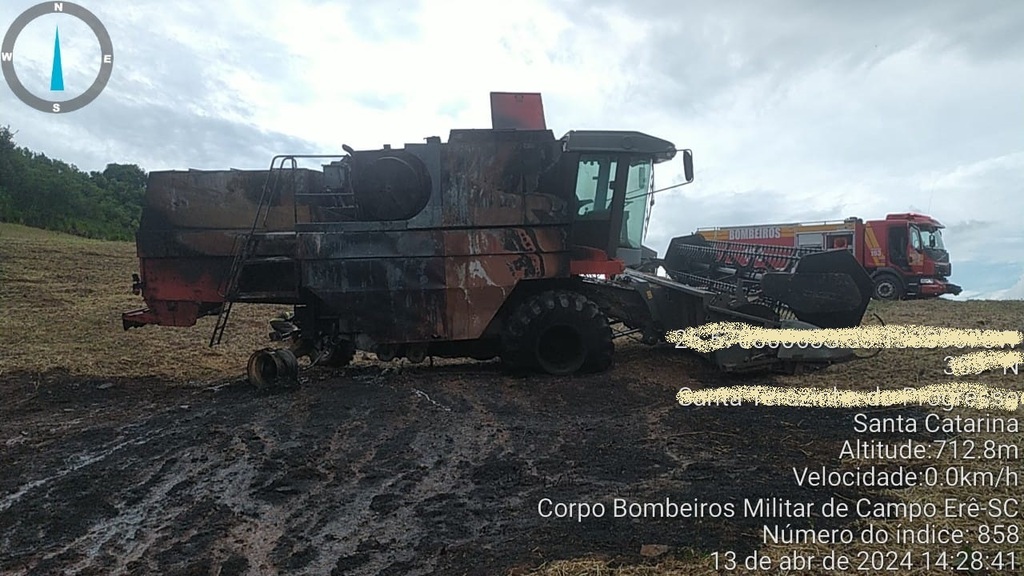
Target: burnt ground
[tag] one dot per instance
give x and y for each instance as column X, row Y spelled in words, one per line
column 417, row 471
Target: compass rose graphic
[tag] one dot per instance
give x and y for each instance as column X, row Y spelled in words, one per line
column 49, row 105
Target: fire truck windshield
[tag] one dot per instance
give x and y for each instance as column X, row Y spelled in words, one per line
column 931, row 238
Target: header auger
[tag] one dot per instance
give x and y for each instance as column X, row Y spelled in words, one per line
column 503, row 242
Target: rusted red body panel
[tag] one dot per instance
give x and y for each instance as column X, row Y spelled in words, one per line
column 191, row 221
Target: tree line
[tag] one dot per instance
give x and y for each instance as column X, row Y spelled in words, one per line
column 47, row 193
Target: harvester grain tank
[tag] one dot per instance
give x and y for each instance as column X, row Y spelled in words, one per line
column 504, row 242
column 904, row 253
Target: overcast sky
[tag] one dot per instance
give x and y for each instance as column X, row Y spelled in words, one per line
column 795, row 110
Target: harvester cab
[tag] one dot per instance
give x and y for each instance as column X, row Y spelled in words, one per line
column 504, row 242
column 612, row 176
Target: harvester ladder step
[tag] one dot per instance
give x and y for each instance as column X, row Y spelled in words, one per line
column 242, row 252
column 241, row 256
column 222, row 323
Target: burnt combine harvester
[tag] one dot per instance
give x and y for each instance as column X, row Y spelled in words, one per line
column 502, row 242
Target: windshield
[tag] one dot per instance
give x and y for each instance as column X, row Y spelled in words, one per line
column 594, row 182
column 931, row 238
column 635, row 214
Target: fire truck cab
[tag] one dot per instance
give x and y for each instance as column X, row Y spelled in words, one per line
column 906, row 257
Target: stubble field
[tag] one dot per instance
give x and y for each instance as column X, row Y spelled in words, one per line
column 146, row 452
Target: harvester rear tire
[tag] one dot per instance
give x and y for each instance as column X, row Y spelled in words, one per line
column 888, row 287
column 559, row 332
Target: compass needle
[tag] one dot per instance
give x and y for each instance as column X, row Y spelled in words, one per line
column 57, row 76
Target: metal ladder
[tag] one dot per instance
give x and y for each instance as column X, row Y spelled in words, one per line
column 245, row 245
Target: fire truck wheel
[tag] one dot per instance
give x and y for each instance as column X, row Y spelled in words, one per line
column 888, row 287
column 558, row 332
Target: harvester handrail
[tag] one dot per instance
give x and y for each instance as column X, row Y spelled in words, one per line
column 292, row 158
column 245, row 244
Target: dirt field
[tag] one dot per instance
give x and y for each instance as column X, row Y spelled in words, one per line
column 145, row 452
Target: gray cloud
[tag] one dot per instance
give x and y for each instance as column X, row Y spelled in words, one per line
column 807, row 110
column 173, row 106
column 376, row 101
column 385, row 19
column 158, row 137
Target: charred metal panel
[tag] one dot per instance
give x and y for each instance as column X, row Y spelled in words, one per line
column 190, row 228
column 190, row 243
column 183, row 279
column 163, row 314
column 545, row 209
column 222, row 199
column 479, row 285
column 272, row 280
column 370, row 244
column 361, row 275
column 488, row 176
column 392, row 300
column 488, row 241
column 427, row 243
column 484, row 266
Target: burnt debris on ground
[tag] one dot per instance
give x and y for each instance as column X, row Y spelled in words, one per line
column 426, row 470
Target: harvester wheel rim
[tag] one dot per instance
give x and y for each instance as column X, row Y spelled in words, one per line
column 271, row 369
column 262, row 369
column 289, row 365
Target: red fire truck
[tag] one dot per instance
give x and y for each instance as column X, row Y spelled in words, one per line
column 903, row 253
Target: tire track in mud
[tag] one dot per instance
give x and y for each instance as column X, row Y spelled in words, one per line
column 425, row 471
column 68, row 515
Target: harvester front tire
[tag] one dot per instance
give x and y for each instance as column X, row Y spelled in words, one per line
column 888, row 287
column 558, row 332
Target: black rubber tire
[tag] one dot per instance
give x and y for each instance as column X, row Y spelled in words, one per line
column 558, row 332
column 341, row 355
column 888, row 287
